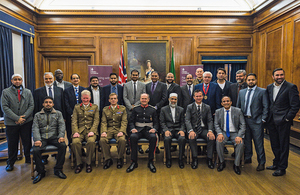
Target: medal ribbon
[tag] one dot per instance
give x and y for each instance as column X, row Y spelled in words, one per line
column 205, row 92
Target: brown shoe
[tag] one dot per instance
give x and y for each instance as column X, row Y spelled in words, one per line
column 78, row 168
column 89, row 168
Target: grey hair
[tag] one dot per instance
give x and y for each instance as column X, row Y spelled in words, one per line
column 48, row 73
column 241, row 71
column 58, row 70
column 86, row 92
column 207, row 72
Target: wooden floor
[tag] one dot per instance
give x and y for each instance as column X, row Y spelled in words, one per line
column 166, row 181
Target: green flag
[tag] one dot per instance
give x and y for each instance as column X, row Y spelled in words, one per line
column 172, row 68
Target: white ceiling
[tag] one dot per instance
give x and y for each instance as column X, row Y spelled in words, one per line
column 207, row 5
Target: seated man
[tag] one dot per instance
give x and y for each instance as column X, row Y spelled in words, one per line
column 143, row 123
column 173, row 127
column 48, row 129
column 85, row 121
column 113, row 125
column 199, row 124
column 230, row 125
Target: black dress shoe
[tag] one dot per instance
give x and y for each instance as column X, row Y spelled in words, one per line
column 28, row 161
column 237, row 169
column 60, row 174
column 272, row 167
column 141, row 151
column 120, row 163
column 151, row 167
column 194, row 164
column 279, row 173
column 210, row 163
column 157, row 151
column 78, row 168
column 45, row 161
column 260, row 167
column 9, row 167
column 233, row 155
column 38, row 178
column 108, row 163
column 128, row 151
column 147, row 151
column 221, row 166
column 89, row 168
column 181, row 164
column 132, row 167
column 225, row 150
column 168, row 163
column 248, row 161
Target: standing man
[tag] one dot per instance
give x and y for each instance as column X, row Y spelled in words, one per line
column 172, row 123
column 254, row 104
column 49, row 129
column 283, row 107
column 199, row 76
column 17, row 106
column 85, row 123
column 143, row 123
column 173, row 88
column 113, row 125
column 222, row 82
column 187, row 91
column 113, row 87
column 230, row 125
column 59, row 80
column 199, row 124
column 236, row 87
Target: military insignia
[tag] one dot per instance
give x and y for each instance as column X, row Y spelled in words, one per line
column 119, row 112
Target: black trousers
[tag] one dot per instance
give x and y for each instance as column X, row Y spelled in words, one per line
column 69, row 129
column 134, row 137
column 181, row 143
column 210, row 144
column 12, row 135
column 60, row 158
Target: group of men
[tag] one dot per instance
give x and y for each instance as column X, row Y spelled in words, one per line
column 216, row 111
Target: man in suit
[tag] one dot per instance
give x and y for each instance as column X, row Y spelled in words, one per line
column 283, row 107
column 172, row 124
column 113, row 87
column 222, row 82
column 143, row 123
column 199, row 124
column 59, row 80
column 254, row 104
column 173, row 88
column 199, row 76
column 72, row 96
column 236, row 87
column 85, row 121
column 211, row 92
column 187, row 91
column 230, row 125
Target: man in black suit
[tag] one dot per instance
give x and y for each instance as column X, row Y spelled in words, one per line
column 224, row 85
column 113, row 87
column 187, row 91
column 172, row 124
column 283, row 106
column 173, row 87
column 199, row 124
column 236, row 87
column 72, row 97
column 59, row 80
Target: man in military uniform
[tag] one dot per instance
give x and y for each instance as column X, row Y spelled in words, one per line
column 143, row 123
column 113, row 125
column 85, row 121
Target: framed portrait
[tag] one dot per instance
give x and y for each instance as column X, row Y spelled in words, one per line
column 146, row 57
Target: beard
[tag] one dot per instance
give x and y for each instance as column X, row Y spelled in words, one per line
column 48, row 109
column 17, row 87
column 172, row 105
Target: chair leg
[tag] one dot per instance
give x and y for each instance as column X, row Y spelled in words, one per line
column 97, row 157
column 164, row 156
column 125, row 156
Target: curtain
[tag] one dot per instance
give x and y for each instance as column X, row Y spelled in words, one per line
column 213, row 69
column 234, row 68
column 29, row 63
column 6, row 59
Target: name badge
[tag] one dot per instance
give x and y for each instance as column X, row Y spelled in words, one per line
column 90, row 110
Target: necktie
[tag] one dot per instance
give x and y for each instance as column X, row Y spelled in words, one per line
column 50, row 92
column 199, row 119
column 153, row 88
column 134, row 91
column 76, row 94
column 19, row 95
column 205, row 86
column 114, row 90
column 248, row 102
column 190, row 91
column 227, row 123
column 240, row 87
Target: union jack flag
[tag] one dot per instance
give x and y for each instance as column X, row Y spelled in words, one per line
column 122, row 69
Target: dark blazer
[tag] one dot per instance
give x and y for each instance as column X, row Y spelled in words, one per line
column 259, row 104
column 213, row 96
column 166, row 119
column 174, row 88
column 39, row 95
column 106, row 92
column 70, row 99
column 159, row 96
column 186, row 98
column 286, row 104
column 66, row 84
column 191, row 117
column 233, row 92
column 225, row 91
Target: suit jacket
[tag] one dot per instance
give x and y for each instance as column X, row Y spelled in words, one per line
column 191, row 117
column 237, row 118
column 286, row 104
column 225, row 90
column 128, row 96
column 174, row 88
column 186, row 98
column 70, row 99
column 159, row 96
column 259, row 104
column 59, row 102
column 66, row 84
column 166, row 119
column 233, row 92
column 106, row 91
column 213, row 96
column 92, row 98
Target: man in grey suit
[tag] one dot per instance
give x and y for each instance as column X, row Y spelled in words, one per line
column 254, row 104
column 187, row 91
column 199, row 123
column 172, row 124
column 230, row 125
column 59, row 80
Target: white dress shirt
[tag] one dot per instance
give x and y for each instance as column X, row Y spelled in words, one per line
column 47, row 90
column 276, row 90
column 96, row 96
column 173, row 113
column 61, row 85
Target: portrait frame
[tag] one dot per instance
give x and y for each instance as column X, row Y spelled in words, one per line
column 137, row 52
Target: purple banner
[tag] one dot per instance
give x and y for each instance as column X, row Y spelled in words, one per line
column 187, row 69
column 102, row 72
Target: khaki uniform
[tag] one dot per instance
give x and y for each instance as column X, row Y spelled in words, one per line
column 196, row 82
column 84, row 120
column 113, row 122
